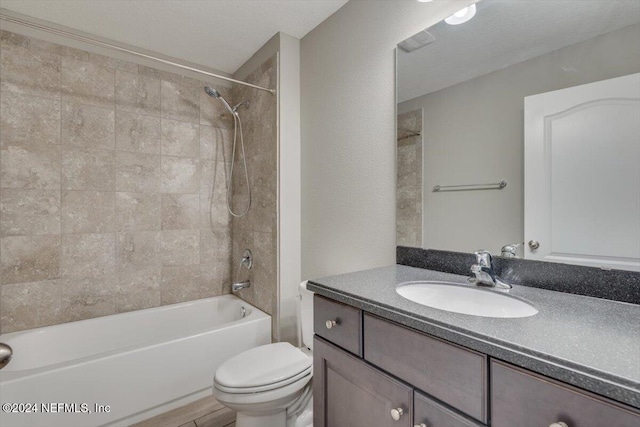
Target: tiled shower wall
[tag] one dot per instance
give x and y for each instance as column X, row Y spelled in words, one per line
column 257, row 230
column 409, row 179
column 112, row 183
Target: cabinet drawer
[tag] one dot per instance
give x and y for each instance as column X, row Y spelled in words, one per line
column 433, row 414
column 523, row 399
column 450, row 373
column 346, row 327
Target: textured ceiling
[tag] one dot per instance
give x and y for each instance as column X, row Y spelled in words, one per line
column 503, row 33
column 220, row 34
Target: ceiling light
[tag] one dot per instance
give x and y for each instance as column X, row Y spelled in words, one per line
column 425, row 1
column 462, row 16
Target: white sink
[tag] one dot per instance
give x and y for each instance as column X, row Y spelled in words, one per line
column 465, row 299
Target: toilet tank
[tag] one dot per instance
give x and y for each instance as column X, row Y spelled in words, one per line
column 306, row 315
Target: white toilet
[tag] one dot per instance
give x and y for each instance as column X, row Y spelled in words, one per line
column 270, row 385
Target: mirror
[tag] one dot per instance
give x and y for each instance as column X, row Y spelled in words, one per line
column 465, row 138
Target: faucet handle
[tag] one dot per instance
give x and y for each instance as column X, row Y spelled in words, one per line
column 484, row 258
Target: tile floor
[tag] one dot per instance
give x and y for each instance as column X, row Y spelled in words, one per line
column 206, row 412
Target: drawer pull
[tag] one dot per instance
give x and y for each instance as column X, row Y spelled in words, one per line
column 396, row 413
column 559, row 424
column 330, row 324
column 420, row 425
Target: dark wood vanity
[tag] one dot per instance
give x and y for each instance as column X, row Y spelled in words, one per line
column 370, row 371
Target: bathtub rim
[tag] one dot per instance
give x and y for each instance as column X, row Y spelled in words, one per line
column 256, row 315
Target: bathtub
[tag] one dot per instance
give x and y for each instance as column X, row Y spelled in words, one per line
column 120, row 369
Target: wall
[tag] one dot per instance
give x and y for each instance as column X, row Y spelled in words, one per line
column 348, row 132
column 409, row 179
column 258, row 229
column 108, row 170
column 288, row 97
column 468, row 140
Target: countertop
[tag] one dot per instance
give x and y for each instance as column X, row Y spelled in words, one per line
column 591, row 343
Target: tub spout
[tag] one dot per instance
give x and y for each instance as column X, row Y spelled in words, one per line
column 240, row 285
column 5, row 354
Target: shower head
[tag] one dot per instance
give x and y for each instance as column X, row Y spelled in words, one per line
column 212, row 92
column 215, row 94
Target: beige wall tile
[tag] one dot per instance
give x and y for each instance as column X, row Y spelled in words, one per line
column 180, row 247
column 213, row 177
column 179, row 102
column 112, row 63
column 170, row 77
column 30, row 166
column 137, row 94
column 216, row 143
column 29, row 212
column 213, row 112
column 29, row 305
column 214, row 280
column 41, row 46
column 137, row 172
column 180, row 211
column 88, row 169
column 137, row 288
column 180, row 139
column 87, row 298
column 137, row 132
column 29, row 72
column 87, row 255
column 88, row 212
column 181, row 283
column 138, row 211
column 87, row 126
column 29, row 258
column 213, row 211
column 180, row 175
column 29, row 119
column 87, row 83
column 138, row 248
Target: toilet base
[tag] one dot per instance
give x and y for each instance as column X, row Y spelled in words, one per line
column 273, row 420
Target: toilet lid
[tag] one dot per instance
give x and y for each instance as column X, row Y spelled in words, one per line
column 262, row 366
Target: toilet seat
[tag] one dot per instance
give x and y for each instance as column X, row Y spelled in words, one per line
column 261, row 369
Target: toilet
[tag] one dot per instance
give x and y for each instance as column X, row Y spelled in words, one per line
column 270, row 385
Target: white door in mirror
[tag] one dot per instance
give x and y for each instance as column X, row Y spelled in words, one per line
column 582, row 146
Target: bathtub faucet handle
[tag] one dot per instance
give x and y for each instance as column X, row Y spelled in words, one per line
column 247, row 259
column 5, row 354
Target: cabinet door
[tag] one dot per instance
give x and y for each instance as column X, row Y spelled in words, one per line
column 347, row 392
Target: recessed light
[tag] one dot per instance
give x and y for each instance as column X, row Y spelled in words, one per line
column 462, row 16
column 425, row 1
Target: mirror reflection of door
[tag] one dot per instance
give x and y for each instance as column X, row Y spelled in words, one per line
column 471, row 80
column 582, row 174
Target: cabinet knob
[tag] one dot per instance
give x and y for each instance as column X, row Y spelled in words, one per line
column 396, row 413
column 534, row 244
column 330, row 324
column 559, row 424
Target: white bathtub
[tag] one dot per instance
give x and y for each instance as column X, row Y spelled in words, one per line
column 140, row 363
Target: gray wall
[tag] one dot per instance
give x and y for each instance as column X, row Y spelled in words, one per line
column 348, row 116
column 473, row 133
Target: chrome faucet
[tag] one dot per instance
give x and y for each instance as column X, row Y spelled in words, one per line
column 510, row 250
column 240, row 285
column 485, row 272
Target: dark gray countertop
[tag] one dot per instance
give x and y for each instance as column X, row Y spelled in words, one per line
column 589, row 342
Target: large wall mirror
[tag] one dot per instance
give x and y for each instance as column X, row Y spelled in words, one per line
column 519, row 132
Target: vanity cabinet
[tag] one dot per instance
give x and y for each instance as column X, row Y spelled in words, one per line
column 350, row 393
column 374, row 372
column 517, row 395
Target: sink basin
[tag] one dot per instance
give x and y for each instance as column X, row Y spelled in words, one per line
column 465, row 299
